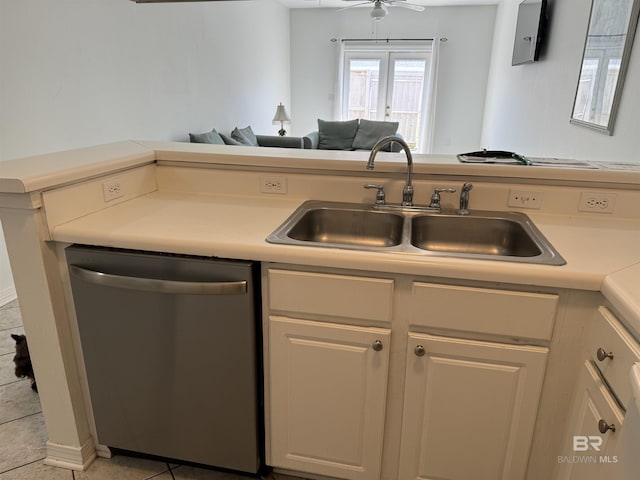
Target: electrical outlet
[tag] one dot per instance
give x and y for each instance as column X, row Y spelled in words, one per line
column 525, row 199
column 273, row 184
column 112, row 189
column 597, row 202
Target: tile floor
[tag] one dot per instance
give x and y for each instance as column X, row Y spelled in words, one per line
column 23, row 434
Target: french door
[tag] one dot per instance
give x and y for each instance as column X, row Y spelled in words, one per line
column 390, row 86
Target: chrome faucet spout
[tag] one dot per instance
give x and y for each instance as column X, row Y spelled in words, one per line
column 407, row 191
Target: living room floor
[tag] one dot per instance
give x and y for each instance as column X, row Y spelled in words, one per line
column 23, row 434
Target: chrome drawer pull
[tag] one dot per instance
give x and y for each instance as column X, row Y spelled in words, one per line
column 377, row 345
column 601, row 353
column 419, row 351
column 604, row 426
column 157, row 285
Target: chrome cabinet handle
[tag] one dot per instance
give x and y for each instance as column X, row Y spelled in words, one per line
column 377, row 345
column 604, row 426
column 158, row 285
column 602, row 354
column 419, row 351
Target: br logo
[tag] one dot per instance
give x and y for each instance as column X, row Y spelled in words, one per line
column 583, row 443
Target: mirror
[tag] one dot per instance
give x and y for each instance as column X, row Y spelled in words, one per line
column 612, row 26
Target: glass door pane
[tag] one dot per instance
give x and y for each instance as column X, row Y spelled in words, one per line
column 364, row 85
column 406, row 96
column 364, row 82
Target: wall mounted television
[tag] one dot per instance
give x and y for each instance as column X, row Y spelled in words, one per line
column 530, row 29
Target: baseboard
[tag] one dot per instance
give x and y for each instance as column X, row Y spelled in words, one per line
column 7, row 295
column 103, row 452
column 73, row 458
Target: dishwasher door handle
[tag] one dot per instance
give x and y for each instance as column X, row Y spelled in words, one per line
column 158, row 285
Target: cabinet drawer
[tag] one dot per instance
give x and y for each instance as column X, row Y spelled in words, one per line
column 609, row 335
column 341, row 296
column 483, row 310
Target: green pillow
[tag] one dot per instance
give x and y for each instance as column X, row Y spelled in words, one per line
column 209, row 137
column 336, row 135
column 369, row 132
column 229, row 141
column 245, row 136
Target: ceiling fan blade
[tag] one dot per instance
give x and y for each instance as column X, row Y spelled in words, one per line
column 409, row 6
column 352, row 6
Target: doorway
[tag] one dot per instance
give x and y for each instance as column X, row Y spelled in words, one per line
column 389, row 83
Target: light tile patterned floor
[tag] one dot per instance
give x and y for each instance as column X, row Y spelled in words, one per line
column 23, row 434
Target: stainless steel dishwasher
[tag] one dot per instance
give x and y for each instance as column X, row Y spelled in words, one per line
column 172, row 351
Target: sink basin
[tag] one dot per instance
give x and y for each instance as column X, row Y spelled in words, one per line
column 476, row 235
column 504, row 236
column 347, row 226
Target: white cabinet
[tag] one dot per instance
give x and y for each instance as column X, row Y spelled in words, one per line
column 469, row 408
column 464, row 407
column 589, row 453
column 470, row 405
column 328, row 390
column 327, row 381
column 603, row 388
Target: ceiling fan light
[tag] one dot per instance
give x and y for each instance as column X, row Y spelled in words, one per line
column 378, row 12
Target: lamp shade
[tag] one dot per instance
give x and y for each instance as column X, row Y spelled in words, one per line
column 281, row 115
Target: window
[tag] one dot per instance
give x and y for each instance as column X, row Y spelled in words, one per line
column 389, row 81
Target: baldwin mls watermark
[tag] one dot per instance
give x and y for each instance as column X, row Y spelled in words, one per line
column 590, row 444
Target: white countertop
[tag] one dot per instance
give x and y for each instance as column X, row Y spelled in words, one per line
column 50, row 170
column 42, row 172
column 622, row 289
column 236, row 227
column 601, row 254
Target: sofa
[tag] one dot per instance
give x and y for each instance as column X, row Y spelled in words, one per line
column 358, row 134
column 245, row 136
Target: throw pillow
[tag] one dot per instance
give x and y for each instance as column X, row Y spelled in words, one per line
column 229, row 141
column 209, row 137
column 369, row 132
column 336, row 135
column 245, row 136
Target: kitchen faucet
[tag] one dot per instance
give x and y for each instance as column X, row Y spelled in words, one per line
column 407, row 191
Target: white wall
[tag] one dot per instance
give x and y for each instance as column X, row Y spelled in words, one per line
column 463, row 66
column 84, row 72
column 528, row 106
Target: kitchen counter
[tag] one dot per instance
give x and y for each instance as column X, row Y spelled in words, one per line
column 42, row 172
column 622, row 289
column 236, row 227
column 206, row 200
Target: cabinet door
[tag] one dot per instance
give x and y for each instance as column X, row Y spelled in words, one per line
column 327, row 397
column 470, row 408
column 588, row 453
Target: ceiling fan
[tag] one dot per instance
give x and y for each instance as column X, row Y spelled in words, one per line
column 380, row 6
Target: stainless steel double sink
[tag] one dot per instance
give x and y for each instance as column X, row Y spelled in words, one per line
column 505, row 236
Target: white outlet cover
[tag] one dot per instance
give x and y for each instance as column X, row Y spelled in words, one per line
column 525, row 199
column 595, row 202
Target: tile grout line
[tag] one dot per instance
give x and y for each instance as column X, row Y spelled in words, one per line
column 21, row 418
column 20, row 466
column 14, row 381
